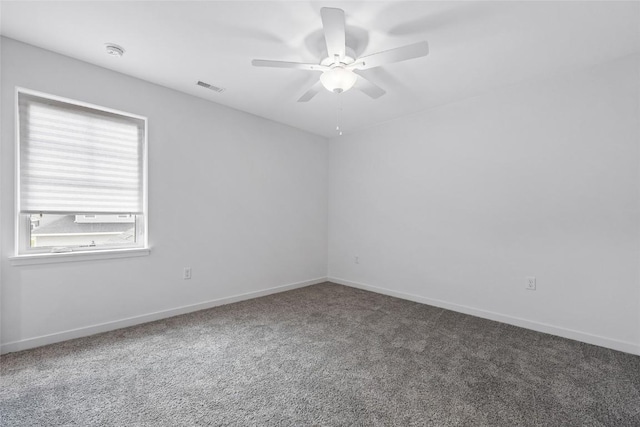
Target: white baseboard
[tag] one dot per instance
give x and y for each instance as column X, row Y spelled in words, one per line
column 627, row 347
column 150, row 317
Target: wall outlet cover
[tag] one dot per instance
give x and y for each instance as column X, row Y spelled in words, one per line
column 531, row 283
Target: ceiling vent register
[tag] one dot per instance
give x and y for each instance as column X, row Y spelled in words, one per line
column 211, row 87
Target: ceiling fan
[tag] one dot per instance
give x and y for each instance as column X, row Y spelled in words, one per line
column 340, row 70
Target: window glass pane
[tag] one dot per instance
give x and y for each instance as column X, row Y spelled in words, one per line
column 48, row 230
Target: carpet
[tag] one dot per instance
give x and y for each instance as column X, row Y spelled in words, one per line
column 325, row 355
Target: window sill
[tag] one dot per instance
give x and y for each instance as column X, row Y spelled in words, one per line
column 49, row 258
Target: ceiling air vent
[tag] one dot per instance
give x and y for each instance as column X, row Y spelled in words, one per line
column 211, row 87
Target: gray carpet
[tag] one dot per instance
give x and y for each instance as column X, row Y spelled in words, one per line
column 321, row 355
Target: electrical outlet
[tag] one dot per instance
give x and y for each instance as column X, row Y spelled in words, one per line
column 531, row 283
column 186, row 273
column 356, row 259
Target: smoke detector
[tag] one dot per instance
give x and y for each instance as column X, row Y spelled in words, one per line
column 114, row 50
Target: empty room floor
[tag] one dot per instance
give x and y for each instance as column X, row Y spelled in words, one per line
column 321, row 355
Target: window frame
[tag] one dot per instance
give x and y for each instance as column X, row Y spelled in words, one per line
column 22, row 227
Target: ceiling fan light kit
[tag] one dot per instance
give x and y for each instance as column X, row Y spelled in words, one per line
column 339, row 69
column 338, row 79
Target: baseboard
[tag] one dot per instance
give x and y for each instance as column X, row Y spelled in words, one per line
column 627, row 347
column 145, row 318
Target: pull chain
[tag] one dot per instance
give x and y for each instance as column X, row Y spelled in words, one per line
column 338, row 111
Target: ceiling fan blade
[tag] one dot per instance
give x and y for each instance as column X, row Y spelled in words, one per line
column 368, row 88
column 284, row 64
column 313, row 91
column 411, row 51
column 334, row 31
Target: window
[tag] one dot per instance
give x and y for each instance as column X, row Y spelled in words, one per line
column 81, row 177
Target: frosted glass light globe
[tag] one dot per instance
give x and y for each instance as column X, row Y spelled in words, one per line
column 338, row 79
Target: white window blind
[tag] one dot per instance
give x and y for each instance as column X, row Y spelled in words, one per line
column 76, row 159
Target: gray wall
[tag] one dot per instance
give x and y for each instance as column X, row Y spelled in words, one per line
column 240, row 199
column 456, row 206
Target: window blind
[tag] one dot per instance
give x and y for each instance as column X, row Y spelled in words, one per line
column 76, row 159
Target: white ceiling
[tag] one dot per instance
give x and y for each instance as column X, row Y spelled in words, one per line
column 474, row 47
